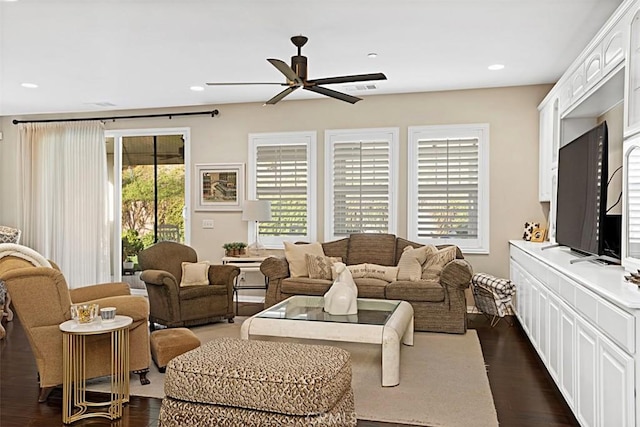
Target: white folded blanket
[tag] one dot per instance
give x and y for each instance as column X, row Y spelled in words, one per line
column 24, row 252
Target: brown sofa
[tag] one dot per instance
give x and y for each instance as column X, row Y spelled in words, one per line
column 42, row 301
column 439, row 306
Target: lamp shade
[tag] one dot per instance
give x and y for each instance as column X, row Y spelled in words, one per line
column 256, row 210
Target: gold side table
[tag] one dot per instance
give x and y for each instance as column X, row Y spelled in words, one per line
column 74, row 402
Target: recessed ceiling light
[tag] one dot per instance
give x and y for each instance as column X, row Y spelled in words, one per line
column 495, row 67
column 29, row 85
column 372, row 55
column 197, row 88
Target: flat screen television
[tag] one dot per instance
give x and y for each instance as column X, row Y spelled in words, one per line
column 582, row 192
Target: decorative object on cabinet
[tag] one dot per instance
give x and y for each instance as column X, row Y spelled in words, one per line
column 220, row 187
column 528, row 230
column 633, row 278
column 539, row 234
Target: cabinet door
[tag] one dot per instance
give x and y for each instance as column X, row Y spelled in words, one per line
column 613, row 48
column 577, row 84
column 543, row 319
column 616, row 388
column 567, row 355
column 593, row 68
column 534, row 317
column 632, row 101
column 586, row 362
column 553, row 361
column 526, row 304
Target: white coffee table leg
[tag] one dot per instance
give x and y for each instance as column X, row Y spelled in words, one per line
column 407, row 338
column 390, row 357
column 400, row 325
column 244, row 329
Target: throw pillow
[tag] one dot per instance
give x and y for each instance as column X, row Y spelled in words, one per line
column 195, row 273
column 436, row 261
column 295, row 255
column 410, row 264
column 319, row 266
column 382, row 272
column 357, row 271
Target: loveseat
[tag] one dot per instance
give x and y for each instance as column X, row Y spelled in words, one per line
column 438, row 299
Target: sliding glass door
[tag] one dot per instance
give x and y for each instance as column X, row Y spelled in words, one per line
column 149, row 199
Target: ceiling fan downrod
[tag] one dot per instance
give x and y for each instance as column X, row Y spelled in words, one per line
column 299, row 62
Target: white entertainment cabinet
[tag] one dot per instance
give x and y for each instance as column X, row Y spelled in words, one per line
column 582, row 319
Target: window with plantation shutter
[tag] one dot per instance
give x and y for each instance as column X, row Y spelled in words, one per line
column 282, row 170
column 632, row 167
column 448, row 186
column 361, row 177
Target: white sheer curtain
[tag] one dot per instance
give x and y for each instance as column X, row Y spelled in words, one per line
column 63, row 191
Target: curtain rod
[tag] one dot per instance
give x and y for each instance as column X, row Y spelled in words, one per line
column 213, row 113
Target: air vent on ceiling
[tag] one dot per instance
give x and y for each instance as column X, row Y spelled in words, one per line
column 361, row 87
column 101, row 104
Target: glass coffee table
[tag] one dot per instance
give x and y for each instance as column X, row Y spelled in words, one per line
column 385, row 322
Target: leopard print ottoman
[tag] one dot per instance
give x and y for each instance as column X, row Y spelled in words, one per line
column 234, row 382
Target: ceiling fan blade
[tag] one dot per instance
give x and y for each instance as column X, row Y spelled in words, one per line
column 248, row 83
column 334, row 94
column 348, row 79
column 284, row 68
column 281, row 95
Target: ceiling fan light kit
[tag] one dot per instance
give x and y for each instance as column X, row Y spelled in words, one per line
column 296, row 76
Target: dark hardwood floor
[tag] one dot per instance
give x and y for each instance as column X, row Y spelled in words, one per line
column 524, row 394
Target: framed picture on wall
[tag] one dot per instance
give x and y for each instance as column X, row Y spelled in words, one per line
column 220, row 186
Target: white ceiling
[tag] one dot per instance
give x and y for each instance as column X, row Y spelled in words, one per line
column 147, row 53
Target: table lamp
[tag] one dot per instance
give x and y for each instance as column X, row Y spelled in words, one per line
column 256, row 210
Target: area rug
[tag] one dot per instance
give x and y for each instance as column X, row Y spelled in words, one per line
column 443, row 380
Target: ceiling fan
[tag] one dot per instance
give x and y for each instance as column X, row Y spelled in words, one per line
column 297, row 77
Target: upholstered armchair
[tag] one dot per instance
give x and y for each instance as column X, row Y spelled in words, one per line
column 42, row 301
column 174, row 305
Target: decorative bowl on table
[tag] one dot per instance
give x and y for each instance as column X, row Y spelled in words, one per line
column 84, row 313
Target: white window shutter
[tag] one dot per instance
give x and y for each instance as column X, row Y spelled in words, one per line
column 448, row 188
column 361, row 187
column 281, row 178
column 633, row 206
column 360, row 181
column 282, row 171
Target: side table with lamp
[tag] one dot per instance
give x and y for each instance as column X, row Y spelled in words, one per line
column 252, row 211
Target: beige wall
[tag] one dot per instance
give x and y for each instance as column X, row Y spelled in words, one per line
column 511, row 113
